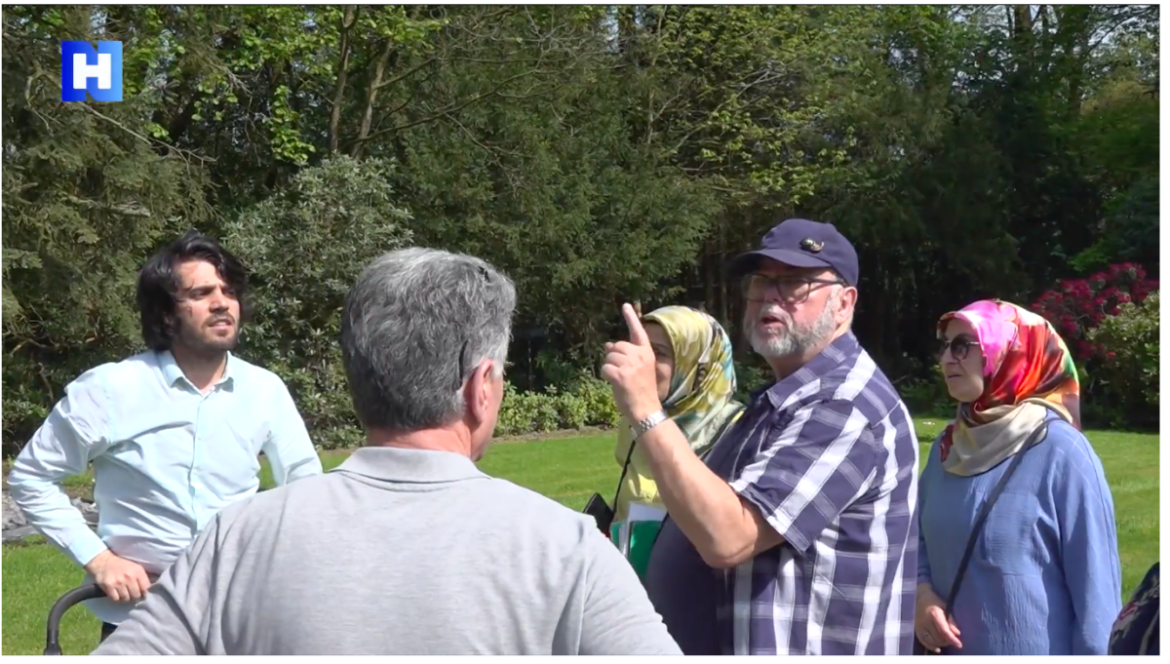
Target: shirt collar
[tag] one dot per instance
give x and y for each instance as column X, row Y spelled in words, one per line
column 844, row 348
column 173, row 373
column 396, row 464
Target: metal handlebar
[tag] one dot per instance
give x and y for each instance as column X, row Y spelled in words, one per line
column 63, row 604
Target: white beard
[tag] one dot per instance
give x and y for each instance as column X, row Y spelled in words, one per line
column 794, row 339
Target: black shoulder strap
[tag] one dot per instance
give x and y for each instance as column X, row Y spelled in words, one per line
column 622, row 478
column 1037, row 435
column 630, row 455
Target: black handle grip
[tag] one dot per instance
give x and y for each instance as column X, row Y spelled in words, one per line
column 63, row 604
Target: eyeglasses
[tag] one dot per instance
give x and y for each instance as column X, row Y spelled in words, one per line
column 462, row 368
column 960, row 347
column 791, row 289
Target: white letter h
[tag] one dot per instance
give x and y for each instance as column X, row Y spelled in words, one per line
column 83, row 71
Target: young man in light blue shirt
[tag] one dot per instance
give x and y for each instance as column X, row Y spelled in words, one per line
column 173, row 433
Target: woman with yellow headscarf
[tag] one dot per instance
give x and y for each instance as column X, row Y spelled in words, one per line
column 696, row 382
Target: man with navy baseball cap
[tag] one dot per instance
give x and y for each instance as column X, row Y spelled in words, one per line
column 796, row 534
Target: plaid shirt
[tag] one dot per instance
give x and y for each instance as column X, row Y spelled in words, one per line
column 829, row 457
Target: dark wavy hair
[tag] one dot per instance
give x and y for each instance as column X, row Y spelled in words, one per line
column 158, row 284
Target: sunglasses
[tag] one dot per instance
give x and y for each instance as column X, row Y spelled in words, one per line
column 960, row 347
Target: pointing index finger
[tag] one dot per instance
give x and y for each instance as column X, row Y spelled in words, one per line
column 638, row 335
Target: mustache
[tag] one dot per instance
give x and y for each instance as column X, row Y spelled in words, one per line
column 773, row 312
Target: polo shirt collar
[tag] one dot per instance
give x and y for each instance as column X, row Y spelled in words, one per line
column 395, row 464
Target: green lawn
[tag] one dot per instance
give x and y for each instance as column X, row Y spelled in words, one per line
column 567, row 470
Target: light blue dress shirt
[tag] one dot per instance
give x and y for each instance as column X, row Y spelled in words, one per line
column 166, row 458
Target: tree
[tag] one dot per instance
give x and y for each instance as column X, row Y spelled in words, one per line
column 87, row 195
column 305, row 248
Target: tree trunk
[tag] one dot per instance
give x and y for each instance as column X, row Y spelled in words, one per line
column 708, row 277
column 342, row 72
column 720, row 260
column 372, row 98
column 1023, row 38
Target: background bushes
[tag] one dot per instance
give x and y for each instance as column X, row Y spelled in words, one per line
column 1128, row 374
column 598, row 155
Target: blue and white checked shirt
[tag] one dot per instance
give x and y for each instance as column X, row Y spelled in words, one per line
column 166, row 458
column 829, row 457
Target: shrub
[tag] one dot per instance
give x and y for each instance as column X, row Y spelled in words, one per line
column 305, row 247
column 526, row 412
column 596, row 398
column 1129, row 368
column 750, row 376
column 588, row 401
column 1077, row 306
column 572, row 412
column 927, row 396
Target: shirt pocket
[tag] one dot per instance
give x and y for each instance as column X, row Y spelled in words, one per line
column 1011, row 541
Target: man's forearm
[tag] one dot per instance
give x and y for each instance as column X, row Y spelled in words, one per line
column 704, row 506
column 722, row 527
column 48, row 510
column 172, row 619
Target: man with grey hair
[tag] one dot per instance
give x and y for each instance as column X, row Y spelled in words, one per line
column 406, row 548
column 796, row 534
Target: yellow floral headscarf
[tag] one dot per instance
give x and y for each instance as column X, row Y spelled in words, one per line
column 701, row 399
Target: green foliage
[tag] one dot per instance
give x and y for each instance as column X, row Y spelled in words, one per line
column 305, row 247
column 1129, row 373
column 546, row 183
column 587, row 402
column 596, row 401
column 754, row 99
column 86, row 197
column 751, row 375
column 1130, row 223
column 597, row 154
column 927, row 397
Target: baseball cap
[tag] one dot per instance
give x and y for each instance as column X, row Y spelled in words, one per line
column 803, row 243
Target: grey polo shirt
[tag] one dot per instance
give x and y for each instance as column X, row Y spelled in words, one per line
column 397, row 552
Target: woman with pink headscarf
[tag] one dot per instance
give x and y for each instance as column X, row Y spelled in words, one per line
column 1017, row 541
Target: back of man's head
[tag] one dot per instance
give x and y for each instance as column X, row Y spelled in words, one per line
column 416, row 325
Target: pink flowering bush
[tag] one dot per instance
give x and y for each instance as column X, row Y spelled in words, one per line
column 1077, row 306
column 1113, row 339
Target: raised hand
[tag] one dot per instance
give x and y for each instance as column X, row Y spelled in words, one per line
column 629, row 368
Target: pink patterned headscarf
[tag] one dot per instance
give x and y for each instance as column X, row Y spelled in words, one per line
column 1023, row 358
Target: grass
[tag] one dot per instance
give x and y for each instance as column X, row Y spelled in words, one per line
column 568, row 470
